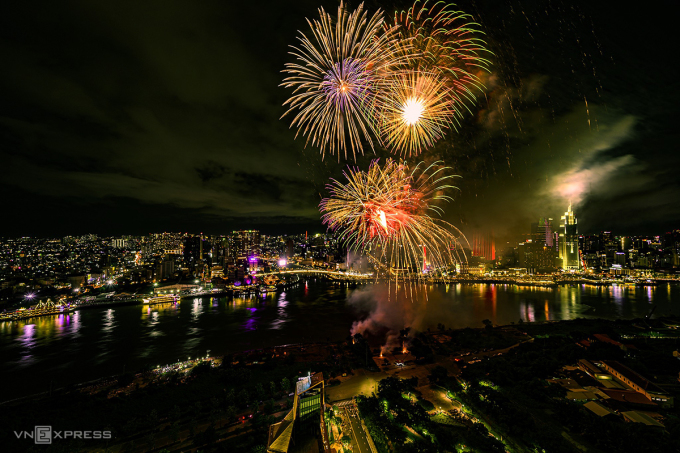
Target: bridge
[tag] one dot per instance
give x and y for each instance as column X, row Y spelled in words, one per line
column 343, row 275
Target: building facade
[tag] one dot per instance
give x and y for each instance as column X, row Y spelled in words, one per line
column 568, row 241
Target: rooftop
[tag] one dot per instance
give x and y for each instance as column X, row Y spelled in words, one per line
column 628, row 396
column 597, row 408
column 633, row 377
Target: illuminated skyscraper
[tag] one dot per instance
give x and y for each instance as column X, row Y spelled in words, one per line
column 246, row 243
column 543, row 232
column 568, row 242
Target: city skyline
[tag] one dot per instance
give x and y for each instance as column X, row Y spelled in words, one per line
column 342, row 227
column 119, row 135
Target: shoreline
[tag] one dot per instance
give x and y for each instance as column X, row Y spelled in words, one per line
column 304, row 345
column 255, row 292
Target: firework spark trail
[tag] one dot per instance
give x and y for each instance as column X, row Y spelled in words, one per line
column 384, row 212
column 415, row 112
column 338, row 74
column 438, row 81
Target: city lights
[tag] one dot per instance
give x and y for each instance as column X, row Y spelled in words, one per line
column 464, row 227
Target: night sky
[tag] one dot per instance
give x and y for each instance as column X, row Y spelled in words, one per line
column 138, row 117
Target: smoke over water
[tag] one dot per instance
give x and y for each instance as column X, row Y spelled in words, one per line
column 392, row 309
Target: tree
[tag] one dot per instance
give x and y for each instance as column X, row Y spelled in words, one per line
column 242, row 399
column 346, row 441
column 259, row 392
column 285, row 384
column 174, row 433
column 130, row 446
column 272, row 388
column 420, row 350
column 175, row 413
column 230, row 413
column 153, row 419
column 151, row 439
column 229, row 398
column 215, row 409
column 207, row 437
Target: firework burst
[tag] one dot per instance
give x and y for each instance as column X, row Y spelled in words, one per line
column 415, row 113
column 385, row 213
column 338, row 73
column 439, row 77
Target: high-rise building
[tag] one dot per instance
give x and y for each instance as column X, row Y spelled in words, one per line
column 538, row 253
column 191, row 249
column 543, row 232
column 246, row 243
column 119, row 243
column 290, row 248
column 535, row 257
column 568, row 241
column 165, row 269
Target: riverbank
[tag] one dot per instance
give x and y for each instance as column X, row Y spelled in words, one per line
column 102, row 341
column 202, row 400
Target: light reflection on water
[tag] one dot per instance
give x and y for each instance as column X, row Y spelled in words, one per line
column 90, row 343
column 282, row 318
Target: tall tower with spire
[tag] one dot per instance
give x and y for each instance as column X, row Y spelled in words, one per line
column 568, row 242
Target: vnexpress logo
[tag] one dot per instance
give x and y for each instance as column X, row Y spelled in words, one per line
column 43, row 435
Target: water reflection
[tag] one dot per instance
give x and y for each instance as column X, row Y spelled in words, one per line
column 108, row 324
column 282, row 316
column 196, row 309
column 102, row 340
column 252, row 321
column 28, row 341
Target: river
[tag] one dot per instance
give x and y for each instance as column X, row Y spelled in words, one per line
column 95, row 342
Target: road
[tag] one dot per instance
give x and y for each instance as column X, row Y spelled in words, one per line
column 350, row 415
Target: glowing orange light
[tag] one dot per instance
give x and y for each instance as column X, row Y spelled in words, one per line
column 383, row 220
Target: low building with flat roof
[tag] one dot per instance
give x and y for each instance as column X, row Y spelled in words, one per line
column 593, row 370
column 638, row 383
column 629, row 397
column 581, row 395
column 598, row 409
column 640, row 417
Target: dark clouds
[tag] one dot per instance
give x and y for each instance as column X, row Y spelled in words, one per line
column 577, row 109
column 134, row 117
